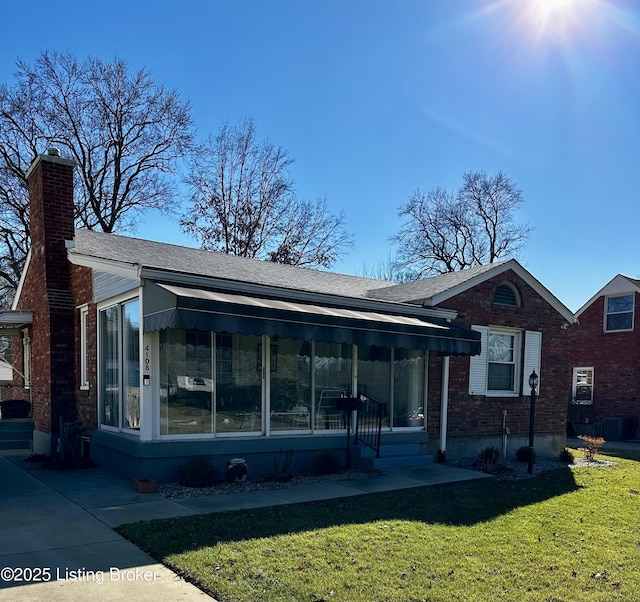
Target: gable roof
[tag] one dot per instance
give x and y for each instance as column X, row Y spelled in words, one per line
column 137, row 255
column 617, row 285
column 140, row 258
column 438, row 289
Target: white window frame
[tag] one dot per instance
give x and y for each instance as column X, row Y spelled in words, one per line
column 574, row 385
column 608, row 313
column 26, row 358
column 118, row 302
column 84, row 347
column 527, row 355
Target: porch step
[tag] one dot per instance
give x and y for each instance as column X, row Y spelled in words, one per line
column 16, row 434
column 394, row 455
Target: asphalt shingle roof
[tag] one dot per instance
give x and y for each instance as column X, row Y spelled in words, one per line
column 426, row 288
column 197, row 262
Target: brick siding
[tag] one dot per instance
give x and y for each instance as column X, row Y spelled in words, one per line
column 481, row 416
column 615, row 358
column 46, row 291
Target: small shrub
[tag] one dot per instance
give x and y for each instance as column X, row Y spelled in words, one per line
column 525, row 453
column 197, row 472
column 325, row 462
column 566, row 456
column 489, row 458
column 593, row 446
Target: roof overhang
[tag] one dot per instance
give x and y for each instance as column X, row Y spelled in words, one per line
column 171, row 306
column 11, row 321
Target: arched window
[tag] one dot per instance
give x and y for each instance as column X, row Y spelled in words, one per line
column 507, row 294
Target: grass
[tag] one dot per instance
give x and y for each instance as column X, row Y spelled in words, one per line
column 568, row 535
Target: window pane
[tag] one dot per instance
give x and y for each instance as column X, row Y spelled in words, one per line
column 131, row 364
column 290, row 384
column 374, row 375
column 186, row 385
column 583, row 392
column 622, row 303
column 408, row 387
column 238, row 383
column 620, row 321
column 110, row 365
column 500, row 377
column 332, row 363
column 584, row 377
column 501, row 347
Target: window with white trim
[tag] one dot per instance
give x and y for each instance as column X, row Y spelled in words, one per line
column 84, row 347
column 501, row 358
column 119, row 361
column 582, row 393
column 619, row 313
column 26, row 358
column 507, row 358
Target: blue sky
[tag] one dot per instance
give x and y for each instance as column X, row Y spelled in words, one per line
column 376, row 98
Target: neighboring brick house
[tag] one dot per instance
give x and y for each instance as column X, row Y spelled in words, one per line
column 605, row 361
column 166, row 352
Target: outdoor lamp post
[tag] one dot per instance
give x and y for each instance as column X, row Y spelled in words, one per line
column 533, row 384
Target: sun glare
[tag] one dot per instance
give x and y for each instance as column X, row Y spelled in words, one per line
column 556, row 17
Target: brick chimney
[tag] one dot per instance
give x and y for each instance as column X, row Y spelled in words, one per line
column 47, row 292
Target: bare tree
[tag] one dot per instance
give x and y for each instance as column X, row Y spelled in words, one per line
column 386, row 268
column 244, row 203
column 493, row 200
column 125, row 131
column 450, row 231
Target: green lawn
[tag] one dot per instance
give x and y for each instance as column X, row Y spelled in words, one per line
column 568, row 535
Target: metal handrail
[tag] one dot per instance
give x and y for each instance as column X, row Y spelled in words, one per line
column 369, row 423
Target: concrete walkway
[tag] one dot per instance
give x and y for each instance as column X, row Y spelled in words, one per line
column 57, row 542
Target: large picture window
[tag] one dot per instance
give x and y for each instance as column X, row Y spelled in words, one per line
column 333, row 369
column 238, row 384
column 290, row 384
column 120, row 365
column 408, row 387
column 186, row 382
column 374, row 375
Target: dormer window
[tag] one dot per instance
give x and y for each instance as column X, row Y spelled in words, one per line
column 506, row 294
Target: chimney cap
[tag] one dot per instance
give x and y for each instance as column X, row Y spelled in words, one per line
column 53, row 152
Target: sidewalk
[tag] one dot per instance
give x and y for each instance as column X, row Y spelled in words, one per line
column 57, row 527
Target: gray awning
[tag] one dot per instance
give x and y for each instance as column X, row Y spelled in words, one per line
column 11, row 321
column 169, row 306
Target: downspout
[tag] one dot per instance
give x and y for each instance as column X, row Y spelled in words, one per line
column 444, row 408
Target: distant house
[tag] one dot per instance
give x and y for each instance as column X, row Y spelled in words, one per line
column 605, row 360
column 166, row 352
